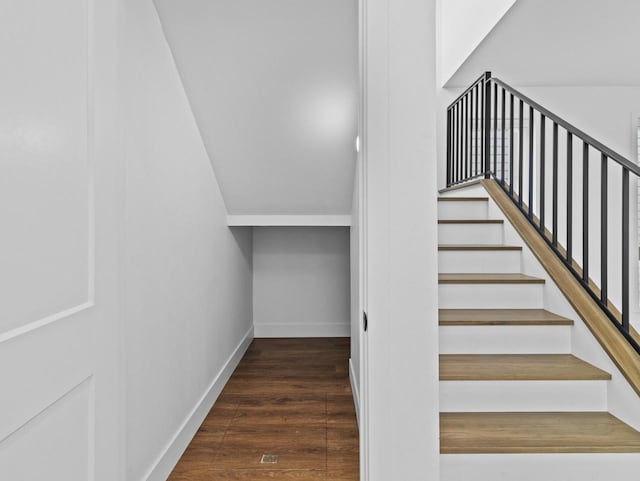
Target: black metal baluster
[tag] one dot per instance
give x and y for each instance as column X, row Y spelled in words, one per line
column 495, row 130
column 511, row 146
column 503, row 137
column 460, row 162
column 463, row 129
column 625, row 249
column 481, row 129
column 531, row 137
column 470, row 133
column 448, row 147
column 466, row 136
column 476, row 134
column 486, row 116
column 458, row 152
column 585, row 212
column 520, row 160
column 454, row 143
column 542, row 172
column 570, row 198
column 471, row 157
column 604, row 196
column 476, row 130
column 554, row 233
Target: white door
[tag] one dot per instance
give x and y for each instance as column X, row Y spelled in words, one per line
column 58, row 242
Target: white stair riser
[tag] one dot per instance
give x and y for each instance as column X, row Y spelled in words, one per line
column 505, row 339
column 463, row 210
column 479, row 261
column 492, row 234
column 522, row 396
column 490, row 296
column 539, row 467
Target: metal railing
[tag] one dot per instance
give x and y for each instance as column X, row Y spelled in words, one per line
column 495, row 131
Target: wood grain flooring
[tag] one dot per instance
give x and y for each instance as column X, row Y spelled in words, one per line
column 290, row 398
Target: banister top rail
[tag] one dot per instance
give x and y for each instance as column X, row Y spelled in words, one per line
column 620, row 159
column 482, row 78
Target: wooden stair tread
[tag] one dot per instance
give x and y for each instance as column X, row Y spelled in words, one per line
column 463, row 199
column 512, row 432
column 501, row 317
column 477, row 247
column 518, row 367
column 470, row 221
column 481, row 278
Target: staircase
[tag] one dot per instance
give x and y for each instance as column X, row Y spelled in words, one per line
column 516, row 403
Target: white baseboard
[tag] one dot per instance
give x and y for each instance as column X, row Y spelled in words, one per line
column 355, row 390
column 161, row 469
column 289, row 220
column 329, row 329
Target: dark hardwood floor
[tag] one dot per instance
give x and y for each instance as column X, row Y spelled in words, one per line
column 290, row 398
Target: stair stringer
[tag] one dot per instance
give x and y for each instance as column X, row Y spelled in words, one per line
column 622, row 400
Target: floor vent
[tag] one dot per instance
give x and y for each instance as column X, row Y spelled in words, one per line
column 269, row 459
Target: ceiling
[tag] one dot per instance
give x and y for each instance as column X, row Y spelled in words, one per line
column 273, row 87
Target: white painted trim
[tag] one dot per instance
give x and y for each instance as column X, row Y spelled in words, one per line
column 354, row 390
column 164, row 464
column 327, row 329
column 45, row 321
column 289, row 220
column 50, row 404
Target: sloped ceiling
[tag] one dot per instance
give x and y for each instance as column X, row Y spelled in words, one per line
column 560, row 42
column 273, row 86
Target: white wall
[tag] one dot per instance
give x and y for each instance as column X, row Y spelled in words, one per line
column 187, row 277
column 273, row 86
column 604, row 112
column 301, row 281
column 462, row 26
column 400, row 383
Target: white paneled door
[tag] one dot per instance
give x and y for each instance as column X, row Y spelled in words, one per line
column 58, row 285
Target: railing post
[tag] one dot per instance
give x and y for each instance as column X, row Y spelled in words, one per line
column 486, row 123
